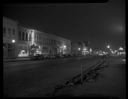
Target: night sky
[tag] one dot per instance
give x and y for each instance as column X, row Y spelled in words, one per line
column 98, row 23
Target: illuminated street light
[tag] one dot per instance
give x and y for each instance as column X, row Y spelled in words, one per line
column 64, row 46
column 13, row 41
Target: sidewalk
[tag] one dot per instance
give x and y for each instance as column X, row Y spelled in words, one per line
column 16, row 59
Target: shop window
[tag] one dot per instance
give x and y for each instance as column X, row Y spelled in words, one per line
column 30, row 37
column 23, row 53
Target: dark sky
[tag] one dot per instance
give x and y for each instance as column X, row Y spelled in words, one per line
column 98, row 23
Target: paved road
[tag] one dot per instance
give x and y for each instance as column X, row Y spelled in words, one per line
column 110, row 83
column 33, row 78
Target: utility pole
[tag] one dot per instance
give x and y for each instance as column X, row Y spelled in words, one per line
column 81, row 74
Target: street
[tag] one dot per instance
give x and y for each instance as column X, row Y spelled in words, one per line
column 37, row 78
column 64, row 50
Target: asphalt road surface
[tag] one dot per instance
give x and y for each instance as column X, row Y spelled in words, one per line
column 37, row 78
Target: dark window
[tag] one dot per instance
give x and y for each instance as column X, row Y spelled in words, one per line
column 54, row 41
column 4, row 45
column 10, row 46
column 37, row 37
column 22, row 35
column 19, row 35
column 9, row 31
column 26, row 36
column 13, row 32
column 50, row 41
column 4, row 31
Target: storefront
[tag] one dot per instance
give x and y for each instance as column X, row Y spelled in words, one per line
column 23, row 51
column 8, row 50
column 35, row 49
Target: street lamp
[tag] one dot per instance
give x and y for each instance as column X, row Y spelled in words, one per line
column 13, row 41
column 64, row 46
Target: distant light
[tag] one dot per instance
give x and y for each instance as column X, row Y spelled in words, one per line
column 84, row 48
column 64, row 46
column 79, row 49
column 13, row 41
column 108, row 46
column 90, row 50
column 121, row 48
column 123, row 59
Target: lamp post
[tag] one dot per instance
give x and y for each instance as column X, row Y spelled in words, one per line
column 108, row 47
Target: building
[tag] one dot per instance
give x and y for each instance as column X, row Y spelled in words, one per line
column 64, row 46
column 29, row 41
column 80, row 48
column 10, row 32
column 19, row 41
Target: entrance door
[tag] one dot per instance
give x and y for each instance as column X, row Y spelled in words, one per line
column 11, row 51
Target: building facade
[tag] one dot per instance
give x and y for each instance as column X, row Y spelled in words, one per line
column 19, row 41
column 10, row 32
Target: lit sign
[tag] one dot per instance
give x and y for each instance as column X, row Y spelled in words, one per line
column 23, row 54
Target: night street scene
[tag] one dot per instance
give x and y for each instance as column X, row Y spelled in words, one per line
column 64, row 50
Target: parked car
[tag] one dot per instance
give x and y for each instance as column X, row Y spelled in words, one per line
column 37, row 57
